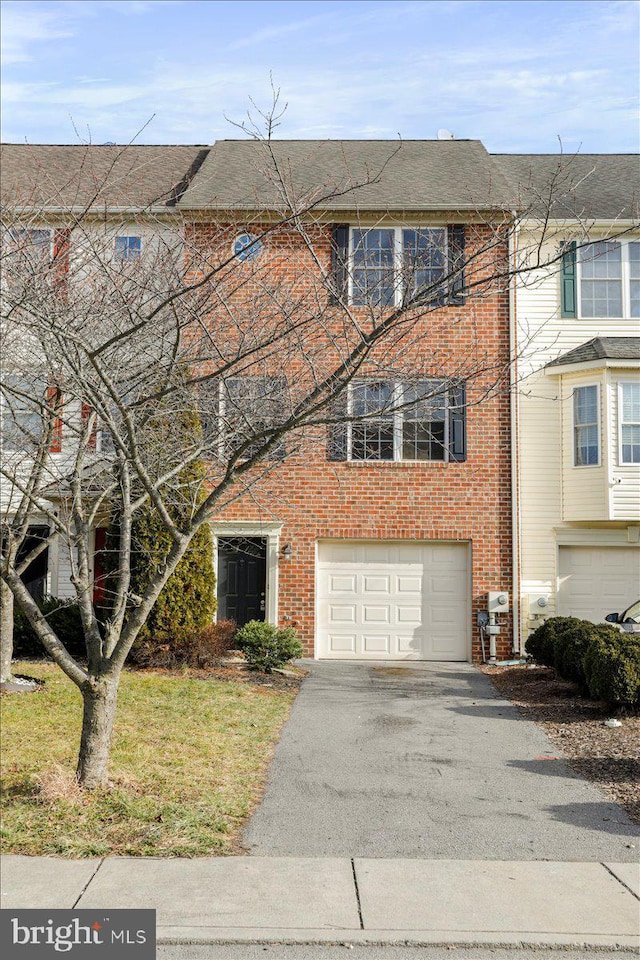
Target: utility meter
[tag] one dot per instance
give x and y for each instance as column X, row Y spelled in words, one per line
column 498, row 601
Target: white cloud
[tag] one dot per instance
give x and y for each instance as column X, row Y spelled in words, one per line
column 25, row 26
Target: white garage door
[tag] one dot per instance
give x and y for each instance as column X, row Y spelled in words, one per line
column 595, row 581
column 382, row 600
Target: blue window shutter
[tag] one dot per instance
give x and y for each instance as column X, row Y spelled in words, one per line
column 568, row 280
column 457, row 423
column 339, row 261
column 456, row 243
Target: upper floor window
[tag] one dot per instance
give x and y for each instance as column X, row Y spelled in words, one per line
column 392, row 263
column 586, row 434
column 629, row 404
column 388, row 266
column 392, row 420
column 127, row 248
column 30, row 411
column 249, row 409
column 601, row 279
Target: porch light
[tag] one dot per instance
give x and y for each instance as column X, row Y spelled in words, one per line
column 287, row 550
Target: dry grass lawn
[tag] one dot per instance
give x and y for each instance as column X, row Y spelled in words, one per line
column 189, row 759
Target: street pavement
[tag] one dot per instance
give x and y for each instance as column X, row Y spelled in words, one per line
column 426, row 760
column 262, row 900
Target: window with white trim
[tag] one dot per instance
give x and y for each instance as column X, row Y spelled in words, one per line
column 250, row 407
column 629, row 406
column 609, row 279
column 127, row 248
column 389, row 264
column 586, row 432
column 393, row 420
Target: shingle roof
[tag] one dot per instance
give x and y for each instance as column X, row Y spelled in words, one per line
column 70, row 176
column 404, row 175
column 598, row 186
column 601, row 348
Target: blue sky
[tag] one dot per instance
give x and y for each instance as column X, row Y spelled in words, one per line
column 517, row 75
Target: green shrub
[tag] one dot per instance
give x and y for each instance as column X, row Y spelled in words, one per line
column 64, row 618
column 541, row 643
column 266, row 646
column 569, row 648
column 201, row 650
column 612, row 667
column 187, row 602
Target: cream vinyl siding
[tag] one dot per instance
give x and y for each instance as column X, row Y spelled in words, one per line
column 625, row 488
column 543, row 335
column 584, row 489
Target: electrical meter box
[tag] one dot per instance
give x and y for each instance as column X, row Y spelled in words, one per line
column 498, row 601
column 538, row 603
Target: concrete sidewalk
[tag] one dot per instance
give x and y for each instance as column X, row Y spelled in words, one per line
column 286, row 899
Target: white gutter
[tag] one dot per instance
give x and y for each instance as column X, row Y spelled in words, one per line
column 515, row 466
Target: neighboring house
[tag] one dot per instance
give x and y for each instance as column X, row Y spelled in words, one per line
column 381, row 540
column 125, row 200
column 578, row 398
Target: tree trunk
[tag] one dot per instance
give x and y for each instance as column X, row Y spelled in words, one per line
column 100, row 699
column 6, row 632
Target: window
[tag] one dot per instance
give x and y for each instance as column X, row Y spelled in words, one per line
column 246, row 246
column 609, row 279
column 32, row 245
column 586, row 444
column 249, row 407
column 128, row 248
column 390, row 264
column 392, row 420
column 629, row 405
column 27, row 405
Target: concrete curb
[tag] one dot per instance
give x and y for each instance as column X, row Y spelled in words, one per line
column 490, row 904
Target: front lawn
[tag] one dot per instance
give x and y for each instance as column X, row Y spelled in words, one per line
column 188, row 763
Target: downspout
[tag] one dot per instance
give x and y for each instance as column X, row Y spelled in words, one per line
column 515, row 469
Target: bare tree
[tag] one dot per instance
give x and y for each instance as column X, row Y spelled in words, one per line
column 105, row 358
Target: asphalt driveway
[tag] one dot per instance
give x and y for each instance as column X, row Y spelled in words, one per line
column 425, row 760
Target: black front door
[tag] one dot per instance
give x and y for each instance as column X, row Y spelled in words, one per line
column 242, row 570
column 35, row 576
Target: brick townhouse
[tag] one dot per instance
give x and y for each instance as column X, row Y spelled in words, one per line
column 376, row 540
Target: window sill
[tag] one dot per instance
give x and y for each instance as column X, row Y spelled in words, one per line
column 396, row 464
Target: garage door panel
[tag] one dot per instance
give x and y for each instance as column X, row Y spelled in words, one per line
column 595, row 581
column 376, row 585
column 341, row 643
column 412, row 616
column 409, row 585
column 341, row 583
column 372, row 643
column 413, row 589
column 342, row 614
column 375, row 614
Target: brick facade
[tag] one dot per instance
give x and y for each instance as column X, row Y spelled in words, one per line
column 315, row 498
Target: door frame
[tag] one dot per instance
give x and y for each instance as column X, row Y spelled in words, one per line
column 250, row 528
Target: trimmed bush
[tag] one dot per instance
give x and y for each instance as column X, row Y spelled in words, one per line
column 541, row 643
column 202, row 650
column 64, row 618
column 569, row 648
column 612, row 667
column 266, row 646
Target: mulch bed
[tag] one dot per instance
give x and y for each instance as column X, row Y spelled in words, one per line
column 607, row 756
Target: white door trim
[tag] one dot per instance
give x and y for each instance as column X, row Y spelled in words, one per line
column 250, row 528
